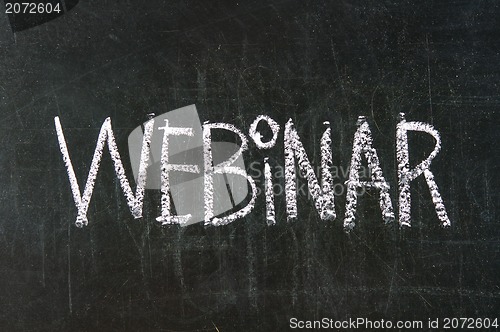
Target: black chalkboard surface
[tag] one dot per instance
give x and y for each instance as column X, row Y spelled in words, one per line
column 308, row 62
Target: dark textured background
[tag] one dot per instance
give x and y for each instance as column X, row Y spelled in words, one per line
column 437, row 61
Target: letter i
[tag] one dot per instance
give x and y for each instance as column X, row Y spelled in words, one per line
column 257, row 137
column 270, row 215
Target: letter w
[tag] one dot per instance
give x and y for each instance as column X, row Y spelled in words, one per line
column 134, row 202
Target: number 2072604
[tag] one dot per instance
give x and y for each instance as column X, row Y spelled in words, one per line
column 32, row 8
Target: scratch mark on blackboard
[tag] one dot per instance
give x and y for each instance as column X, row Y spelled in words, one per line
column 394, row 272
column 338, row 74
column 391, row 287
column 252, row 284
column 429, row 75
column 70, row 302
column 178, row 266
column 295, row 281
column 42, row 248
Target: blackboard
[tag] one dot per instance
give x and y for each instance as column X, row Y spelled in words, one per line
column 310, row 61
